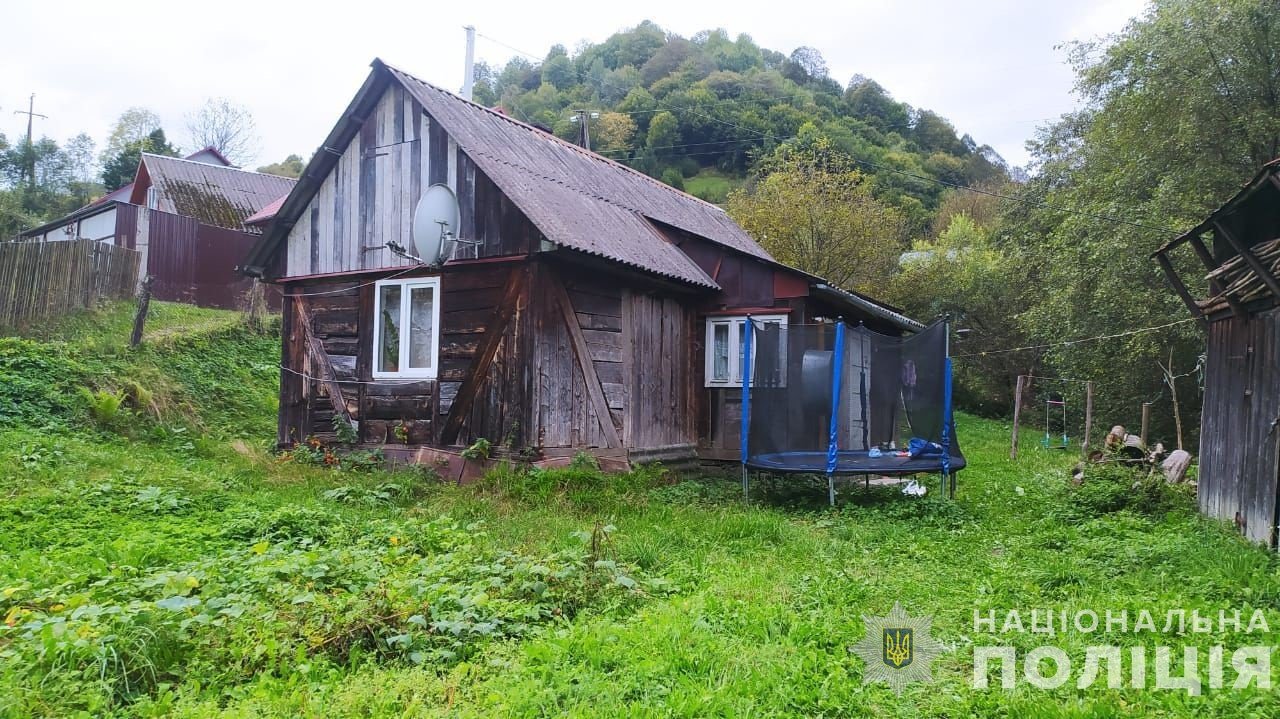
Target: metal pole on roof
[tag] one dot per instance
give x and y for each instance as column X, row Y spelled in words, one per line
column 469, row 65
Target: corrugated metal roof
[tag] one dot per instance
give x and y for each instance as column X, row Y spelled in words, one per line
column 266, row 213
column 578, row 198
column 213, row 194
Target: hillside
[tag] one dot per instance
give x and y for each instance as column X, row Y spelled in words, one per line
column 159, row 560
column 700, row 112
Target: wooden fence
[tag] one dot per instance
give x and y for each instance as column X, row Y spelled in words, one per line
column 44, row 280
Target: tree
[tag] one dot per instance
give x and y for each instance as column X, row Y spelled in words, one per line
column 557, row 70
column 225, row 126
column 291, row 166
column 131, row 127
column 664, row 132
column 119, row 170
column 964, row 274
column 1181, row 107
column 811, row 209
column 613, row 133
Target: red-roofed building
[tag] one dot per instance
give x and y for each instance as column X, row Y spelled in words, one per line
column 187, row 216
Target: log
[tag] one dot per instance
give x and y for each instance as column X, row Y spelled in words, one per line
column 1115, row 438
column 1175, row 466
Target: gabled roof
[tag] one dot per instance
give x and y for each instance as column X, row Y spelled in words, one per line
column 576, row 198
column 213, row 194
column 211, row 155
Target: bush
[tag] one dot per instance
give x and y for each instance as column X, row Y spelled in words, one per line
column 1114, row 487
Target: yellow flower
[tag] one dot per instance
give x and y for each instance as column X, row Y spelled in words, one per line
column 57, row 607
column 395, row 541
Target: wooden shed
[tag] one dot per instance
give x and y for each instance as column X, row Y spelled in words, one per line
column 598, row 309
column 1236, row 297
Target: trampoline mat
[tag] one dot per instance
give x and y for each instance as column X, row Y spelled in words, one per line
column 850, row 462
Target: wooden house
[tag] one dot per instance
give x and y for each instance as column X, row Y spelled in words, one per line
column 1236, row 297
column 189, row 218
column 599, row 309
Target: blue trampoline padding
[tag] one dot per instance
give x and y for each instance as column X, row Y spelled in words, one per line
column 850, row 462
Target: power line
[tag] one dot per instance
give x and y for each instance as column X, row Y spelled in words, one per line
column 1068, row 343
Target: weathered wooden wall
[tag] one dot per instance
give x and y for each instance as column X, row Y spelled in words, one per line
column 1239, row 476
column 532, row 354
column 369, row 197
column 657, row 366
column 43, row 280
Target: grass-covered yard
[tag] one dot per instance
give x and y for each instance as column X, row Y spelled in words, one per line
column 158, row 560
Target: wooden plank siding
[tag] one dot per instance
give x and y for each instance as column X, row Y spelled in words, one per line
column 1239, row 442
column 368, row 199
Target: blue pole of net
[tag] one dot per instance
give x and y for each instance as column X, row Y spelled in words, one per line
column 744, row 431
column 946, row 419
column 833, row 430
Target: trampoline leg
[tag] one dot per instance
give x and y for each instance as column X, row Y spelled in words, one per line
column 745, row 484
column 831, row 490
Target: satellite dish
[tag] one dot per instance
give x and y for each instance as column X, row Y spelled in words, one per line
column 435, row 217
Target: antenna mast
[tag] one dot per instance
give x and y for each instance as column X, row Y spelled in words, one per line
column 469, row 65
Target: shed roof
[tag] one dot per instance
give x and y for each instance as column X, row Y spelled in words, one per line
column 213, row 194
column 268, row 213
column 1243, row 262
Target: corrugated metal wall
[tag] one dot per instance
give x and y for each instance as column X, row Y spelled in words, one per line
column 1239, row 439
column 196, row 263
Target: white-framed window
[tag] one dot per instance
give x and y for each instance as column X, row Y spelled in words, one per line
column 153, row 200
column 726, row 337
column 406, row 328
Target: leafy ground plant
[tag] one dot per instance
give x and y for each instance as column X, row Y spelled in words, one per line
column 185, row 570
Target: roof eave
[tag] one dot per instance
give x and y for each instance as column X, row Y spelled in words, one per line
column 872, row 308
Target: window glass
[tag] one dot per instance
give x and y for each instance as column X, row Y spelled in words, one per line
column 388, row 345
column 720, row 365
column 421, row 317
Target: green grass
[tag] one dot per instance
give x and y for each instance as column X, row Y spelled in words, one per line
column 165, row 563
column 711, row 185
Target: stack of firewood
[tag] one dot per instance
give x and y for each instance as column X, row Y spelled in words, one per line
column 1120, row 446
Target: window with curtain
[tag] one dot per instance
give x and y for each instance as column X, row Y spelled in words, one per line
column 406, row 333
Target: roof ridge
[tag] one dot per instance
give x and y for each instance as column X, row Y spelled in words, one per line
column 219, row 167
column 542, row 133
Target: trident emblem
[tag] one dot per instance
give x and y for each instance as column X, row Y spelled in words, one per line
column 897, row 647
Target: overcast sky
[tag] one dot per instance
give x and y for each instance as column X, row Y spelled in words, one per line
column 992, row 67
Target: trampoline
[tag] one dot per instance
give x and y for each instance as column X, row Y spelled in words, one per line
column 835, row 400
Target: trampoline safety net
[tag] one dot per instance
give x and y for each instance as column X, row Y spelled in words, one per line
column 817, row 397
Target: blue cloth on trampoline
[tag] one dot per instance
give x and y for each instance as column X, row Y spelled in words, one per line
column 918, row 447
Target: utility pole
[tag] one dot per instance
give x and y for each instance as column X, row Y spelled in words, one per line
column 31, row 154
column 469, row 64
column 584, row 118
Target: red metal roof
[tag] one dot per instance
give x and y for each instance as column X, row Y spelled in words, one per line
column 265, row 215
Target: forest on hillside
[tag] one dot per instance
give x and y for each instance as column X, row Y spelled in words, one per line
column 701, row 113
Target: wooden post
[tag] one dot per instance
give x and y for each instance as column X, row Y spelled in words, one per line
column 144, row 302
column 1017, row 410
column 1146, row 422
column 1172, row 381
column 1181, row 289
column 1088, row 417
